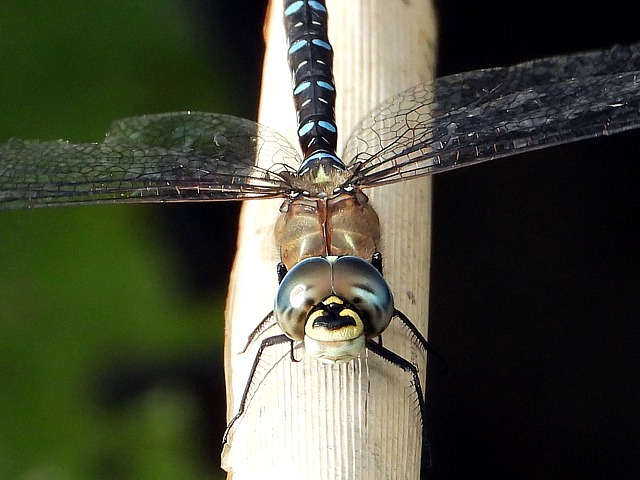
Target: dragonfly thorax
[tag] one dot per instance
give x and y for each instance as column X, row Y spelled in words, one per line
column 337, row 224
column 320, row 174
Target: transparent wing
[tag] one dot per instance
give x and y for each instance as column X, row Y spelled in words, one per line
column 481, row 115
column 155, row 158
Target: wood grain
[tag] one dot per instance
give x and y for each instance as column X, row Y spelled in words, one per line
column 309, row 420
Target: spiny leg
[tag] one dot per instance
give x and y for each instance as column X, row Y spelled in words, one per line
column 266, row 343
column 268, row 321
column 376, row 261
column 413, row 330
column 410, row 368
column 265, row 324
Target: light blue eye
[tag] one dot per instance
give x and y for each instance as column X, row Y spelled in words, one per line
column 305, row 285
column 352, row 279
column 359, row 283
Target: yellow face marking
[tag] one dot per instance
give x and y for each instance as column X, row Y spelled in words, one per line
column 334, row 346
column 333, row 299
column 346, row 333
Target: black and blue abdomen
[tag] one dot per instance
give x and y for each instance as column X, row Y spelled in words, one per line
column 311, row 61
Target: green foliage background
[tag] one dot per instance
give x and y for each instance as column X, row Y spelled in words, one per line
column 85, row 286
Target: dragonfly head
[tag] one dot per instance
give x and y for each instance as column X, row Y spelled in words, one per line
column 333, row 304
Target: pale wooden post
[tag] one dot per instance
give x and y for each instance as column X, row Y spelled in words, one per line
column 308, row 420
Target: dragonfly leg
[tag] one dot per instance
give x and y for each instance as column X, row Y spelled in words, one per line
column 281, row 270
column 410, row 368
column 376, row 261
column 268, row 321
column 426, row 346
column 266, row 343
column 292, row 354
column 265, row 324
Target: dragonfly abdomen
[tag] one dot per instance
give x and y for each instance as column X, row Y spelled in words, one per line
column 311, row 61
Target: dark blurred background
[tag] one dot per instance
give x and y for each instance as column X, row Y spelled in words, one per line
column 111, row 317
column 535, row 278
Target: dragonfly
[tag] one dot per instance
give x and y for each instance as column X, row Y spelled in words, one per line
column 452, row 122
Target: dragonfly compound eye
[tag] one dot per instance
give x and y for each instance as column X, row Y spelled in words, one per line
column 334, row 304
column 302, row 288
column 360, row 284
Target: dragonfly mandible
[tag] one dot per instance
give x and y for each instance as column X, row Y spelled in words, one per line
column 452, row 122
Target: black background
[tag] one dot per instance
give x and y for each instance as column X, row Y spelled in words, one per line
column 535, row 275
column 535, row 286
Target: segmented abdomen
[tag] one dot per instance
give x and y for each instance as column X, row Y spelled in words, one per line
column 311, row 61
